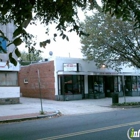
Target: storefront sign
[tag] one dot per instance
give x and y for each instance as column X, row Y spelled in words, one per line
column 70, row 66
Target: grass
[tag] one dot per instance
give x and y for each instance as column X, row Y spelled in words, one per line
column 42, row 112
column 127, row 104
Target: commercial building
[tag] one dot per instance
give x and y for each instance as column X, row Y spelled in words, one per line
column 9, row 88
column 74, row 78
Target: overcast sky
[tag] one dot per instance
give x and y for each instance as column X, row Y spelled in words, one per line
column 63, row 48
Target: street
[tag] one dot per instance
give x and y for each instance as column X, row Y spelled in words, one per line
column 107, row 125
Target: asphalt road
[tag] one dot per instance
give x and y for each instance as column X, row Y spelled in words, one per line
column 100, row 126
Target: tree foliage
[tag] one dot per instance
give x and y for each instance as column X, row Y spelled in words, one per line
column 126, row 9
column 28, row 58
column 64, row 13
column 112, row 41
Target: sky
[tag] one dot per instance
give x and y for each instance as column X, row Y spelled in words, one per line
column 61, row 48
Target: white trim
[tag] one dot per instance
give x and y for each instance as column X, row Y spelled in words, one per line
column 25, row 81
column 99, row 73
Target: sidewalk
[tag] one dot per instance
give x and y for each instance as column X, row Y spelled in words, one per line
column 29, row 108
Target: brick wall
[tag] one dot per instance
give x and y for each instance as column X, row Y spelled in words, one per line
column 31, row 89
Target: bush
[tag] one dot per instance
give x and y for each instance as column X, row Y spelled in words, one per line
column 127, row 104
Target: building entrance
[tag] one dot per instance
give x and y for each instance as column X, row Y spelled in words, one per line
column 108, row 85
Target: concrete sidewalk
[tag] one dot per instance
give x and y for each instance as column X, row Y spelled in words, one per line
column 29, row 108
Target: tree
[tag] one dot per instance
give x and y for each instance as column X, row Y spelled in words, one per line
column 64, row 13
column 112, row 41
column 27, row 58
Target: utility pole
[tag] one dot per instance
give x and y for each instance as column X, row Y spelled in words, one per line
column 40, row 91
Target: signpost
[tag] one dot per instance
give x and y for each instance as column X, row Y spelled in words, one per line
column 40, row 92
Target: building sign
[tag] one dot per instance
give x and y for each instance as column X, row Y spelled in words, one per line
column 70, row 67
column 2, row 45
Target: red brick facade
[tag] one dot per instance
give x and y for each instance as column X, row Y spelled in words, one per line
column 31, row 89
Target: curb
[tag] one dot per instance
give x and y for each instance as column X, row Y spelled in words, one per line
column 57, row 113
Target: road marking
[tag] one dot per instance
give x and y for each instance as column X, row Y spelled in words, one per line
column 89, row 131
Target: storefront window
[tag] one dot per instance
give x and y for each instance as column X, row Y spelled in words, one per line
column 73, row 84
column 134, row 83
column 98, row 84
column 68, row 84
column 95, row 84
column 117, row 84
column 138, row 83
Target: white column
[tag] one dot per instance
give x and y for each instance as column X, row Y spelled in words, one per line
column 86, row 83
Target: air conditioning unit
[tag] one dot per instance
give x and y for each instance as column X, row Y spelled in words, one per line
column 25, row 81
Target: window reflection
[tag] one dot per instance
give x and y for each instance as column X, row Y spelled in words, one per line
column 138, row 84
column 104, row 85
column 134, row 83
column 73, row 84
column 95, row 84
